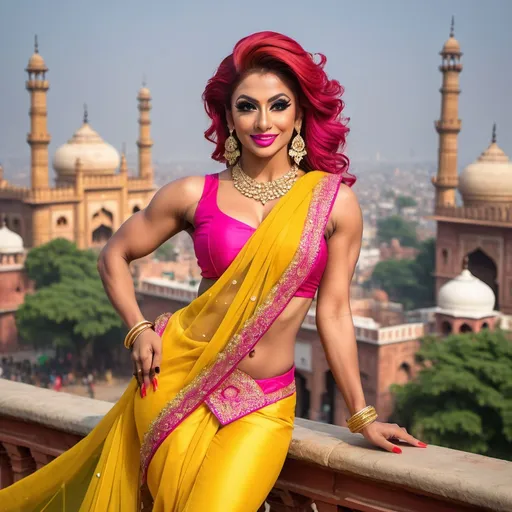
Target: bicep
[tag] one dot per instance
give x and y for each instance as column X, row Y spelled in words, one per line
column 343, row 247
column 163, row 218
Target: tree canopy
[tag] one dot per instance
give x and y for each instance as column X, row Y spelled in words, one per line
column 402, row 202
column 69, row 307
column 396, row 227
column 462, row 398
column 410, row 282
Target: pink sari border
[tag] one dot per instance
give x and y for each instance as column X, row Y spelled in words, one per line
column 190, row 397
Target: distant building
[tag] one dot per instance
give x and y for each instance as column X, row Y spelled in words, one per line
column 14, row 284
column 481, row 229
column 90, row 199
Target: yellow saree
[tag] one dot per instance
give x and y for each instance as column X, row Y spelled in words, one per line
column 161, row 439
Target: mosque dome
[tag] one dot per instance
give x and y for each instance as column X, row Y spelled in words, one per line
column 466, row 294
column 451, row 46
column 10, row 242
column 489, row 179
column 96, row 156
column 36, row 63
column 144, row 93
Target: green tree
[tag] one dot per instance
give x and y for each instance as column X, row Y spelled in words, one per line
column 166, row 252
column 397, row 279
column 462, row 398
column 52, row 262
column 402, row 202
column 410, row 282
column 396, row 227
column 69, row 308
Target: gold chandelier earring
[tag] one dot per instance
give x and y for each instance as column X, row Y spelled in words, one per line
column 298, row 147
column 231, row 153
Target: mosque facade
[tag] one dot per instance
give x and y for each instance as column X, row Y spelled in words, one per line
column 93, row 192
column 481, row 228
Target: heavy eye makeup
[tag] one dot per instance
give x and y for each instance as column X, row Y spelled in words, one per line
column 279, row 105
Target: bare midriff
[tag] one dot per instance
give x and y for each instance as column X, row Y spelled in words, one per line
column 273, row 355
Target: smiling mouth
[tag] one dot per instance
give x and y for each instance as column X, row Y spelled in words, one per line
column 263, row 140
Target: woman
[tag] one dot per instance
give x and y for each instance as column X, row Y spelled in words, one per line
column 207, row 421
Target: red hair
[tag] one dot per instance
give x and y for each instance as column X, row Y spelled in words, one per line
column 323, row 127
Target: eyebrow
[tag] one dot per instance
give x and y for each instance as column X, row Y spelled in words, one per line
column 273, row 98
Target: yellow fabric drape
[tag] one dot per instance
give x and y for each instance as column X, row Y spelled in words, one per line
column 202, row 344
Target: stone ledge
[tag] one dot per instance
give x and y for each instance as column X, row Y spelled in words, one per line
column 61, row 411
column 456, row 475
column 472, row 479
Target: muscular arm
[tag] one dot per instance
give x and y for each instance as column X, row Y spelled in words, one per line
column 140, row 235
column 334, row 318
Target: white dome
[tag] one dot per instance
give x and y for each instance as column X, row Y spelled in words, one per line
column 10, row 242
column 489, row 179
column 466, row 294
column 96, row 156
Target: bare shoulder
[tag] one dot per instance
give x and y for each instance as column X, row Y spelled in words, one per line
column 179, row 194
column 346, row 211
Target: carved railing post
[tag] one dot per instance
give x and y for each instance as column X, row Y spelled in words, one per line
column 6, row 476
column 22, row 462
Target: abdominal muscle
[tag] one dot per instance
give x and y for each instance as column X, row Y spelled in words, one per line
column 274, row 353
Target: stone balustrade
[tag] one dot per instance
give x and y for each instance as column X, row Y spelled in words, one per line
column 328, row 468
column 486, row 214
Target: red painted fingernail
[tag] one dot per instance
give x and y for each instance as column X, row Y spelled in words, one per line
column 155, row 384
column 396, row 449
column 143, row 391
column 422, row 445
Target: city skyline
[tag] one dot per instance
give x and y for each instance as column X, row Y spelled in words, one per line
column 390, row 74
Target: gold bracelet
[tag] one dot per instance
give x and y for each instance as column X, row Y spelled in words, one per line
column 362, row 419
column 365, row 418
column 135, row 331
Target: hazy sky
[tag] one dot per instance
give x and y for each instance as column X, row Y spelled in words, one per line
column 385, row 53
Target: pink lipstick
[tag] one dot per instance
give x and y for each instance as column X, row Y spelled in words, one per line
column 264, row 140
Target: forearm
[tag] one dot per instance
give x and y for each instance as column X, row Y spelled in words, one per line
column 118, row 283
column 338, row 339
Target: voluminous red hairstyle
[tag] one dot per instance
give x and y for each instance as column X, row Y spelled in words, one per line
column 323, row 127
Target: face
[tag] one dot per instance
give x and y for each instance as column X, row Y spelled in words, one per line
column 264, row 113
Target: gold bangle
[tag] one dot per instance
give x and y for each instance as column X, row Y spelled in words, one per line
column 135, row 331
column 362, row 419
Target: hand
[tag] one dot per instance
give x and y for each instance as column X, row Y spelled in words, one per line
column 146, row 358
column 380, row 434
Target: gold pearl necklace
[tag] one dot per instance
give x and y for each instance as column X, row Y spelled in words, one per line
column 263, row 192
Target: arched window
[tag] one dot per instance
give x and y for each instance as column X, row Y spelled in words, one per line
column 446, row 328
column 135, row 209
column 403, row 374
column 485, row 325
column 444, row 255
column 464, row 328
column 62, row 221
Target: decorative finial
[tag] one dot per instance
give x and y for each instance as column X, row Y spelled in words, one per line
column 123, row 148
column 452, row 27
column 3, row 223
column 493, row 133
column 144, row 81
column 465, row 262
column 86, row 114
column 36, row 44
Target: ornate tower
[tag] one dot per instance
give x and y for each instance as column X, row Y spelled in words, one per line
column 38, row 138
column 449, row 125
column 145, row 143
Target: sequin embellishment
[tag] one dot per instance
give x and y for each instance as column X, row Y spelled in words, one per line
column 240, row 395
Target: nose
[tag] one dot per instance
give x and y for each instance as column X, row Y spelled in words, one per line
column 264, row 122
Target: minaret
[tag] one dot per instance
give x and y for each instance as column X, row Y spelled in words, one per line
column 145, row 143
column 449, row 125
column 38, row 138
